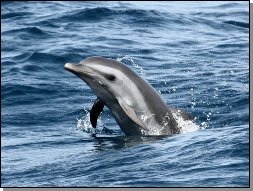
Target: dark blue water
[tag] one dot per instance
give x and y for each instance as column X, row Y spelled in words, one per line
column 195, row 54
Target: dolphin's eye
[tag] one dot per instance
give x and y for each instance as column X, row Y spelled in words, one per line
column 111, row 77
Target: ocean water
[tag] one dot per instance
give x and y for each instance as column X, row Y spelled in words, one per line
column 195, row 54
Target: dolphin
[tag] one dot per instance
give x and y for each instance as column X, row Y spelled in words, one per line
column 136, row 106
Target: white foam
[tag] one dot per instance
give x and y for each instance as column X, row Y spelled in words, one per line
column 139, row 69
column 84, row 124
column 186, row 125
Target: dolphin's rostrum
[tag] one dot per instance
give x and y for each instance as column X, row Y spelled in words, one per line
column 136, row 106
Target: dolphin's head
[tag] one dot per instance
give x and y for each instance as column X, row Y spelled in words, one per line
column 106, row 77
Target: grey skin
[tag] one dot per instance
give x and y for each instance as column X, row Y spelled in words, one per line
column 136, row 106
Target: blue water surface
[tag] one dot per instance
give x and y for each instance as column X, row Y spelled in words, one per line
column 195, row 54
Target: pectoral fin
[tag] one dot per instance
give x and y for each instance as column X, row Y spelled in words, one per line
column 130, row 112
column 96, row 109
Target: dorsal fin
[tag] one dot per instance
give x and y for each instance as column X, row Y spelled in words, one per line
column 96, row 109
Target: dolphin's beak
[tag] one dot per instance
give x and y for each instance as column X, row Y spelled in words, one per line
column 72, row 68
column 79, row 70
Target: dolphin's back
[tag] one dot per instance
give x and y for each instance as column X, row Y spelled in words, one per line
column 157, row 105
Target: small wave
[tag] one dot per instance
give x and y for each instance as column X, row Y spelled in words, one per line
column 231, row 45
column 228, row 5
column 182, row 43
column 240, row 102
column 46, row 23
column 34, row 31
column 89, row 14
column 141, row 13
column 44, row 57
column 135, row 16
column 12, row 15
column 144, row 18
column 9, row 63
column 146, row 51
column 221, row 14
column 40, row 57
column 23, row 57
column 14, row 70
column 210, row 14
column 15, row 90
column 33, row 68
column 237, row 23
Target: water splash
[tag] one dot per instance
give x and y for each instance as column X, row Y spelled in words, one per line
column 185, row 126
column 138, row 69
column 83, row 124
column 150, row 123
